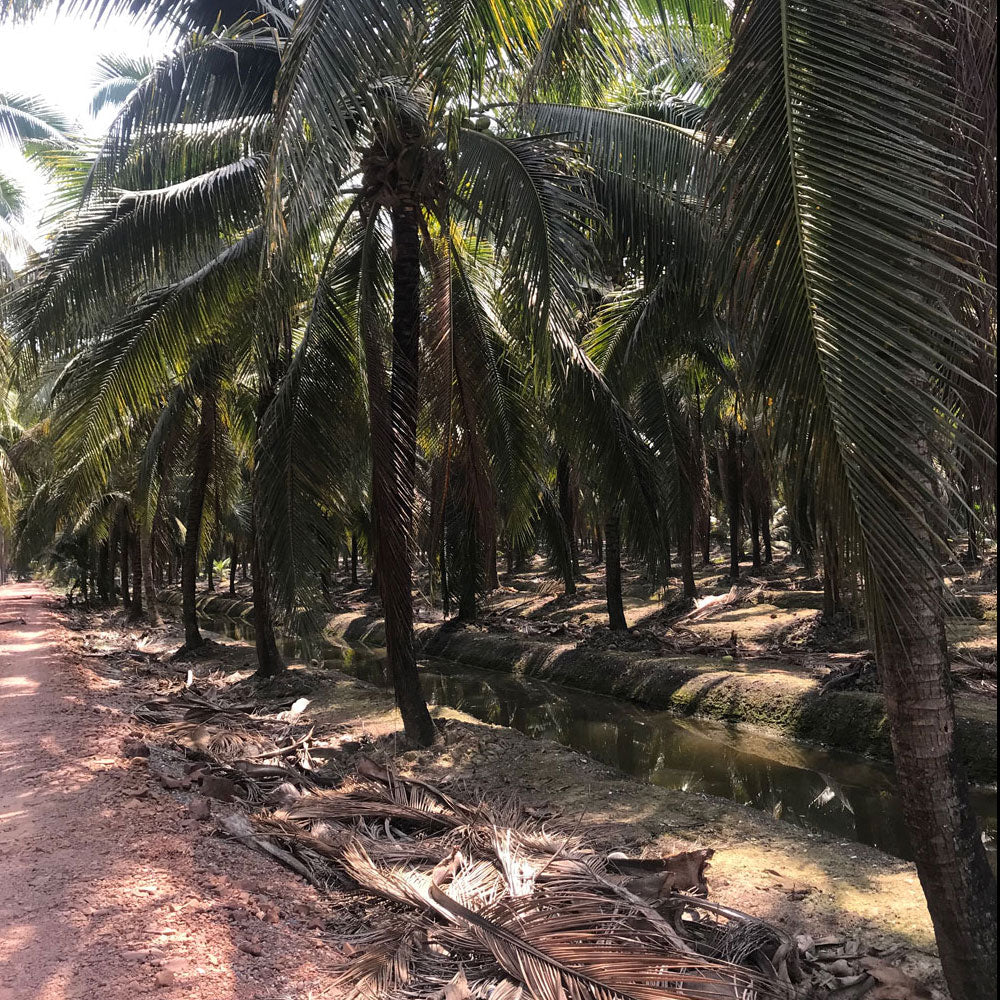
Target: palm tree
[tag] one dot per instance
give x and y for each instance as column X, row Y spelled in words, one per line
column 143, row 323
column 395, row 100
column 867, row 266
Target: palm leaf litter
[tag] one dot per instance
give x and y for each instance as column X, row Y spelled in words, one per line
column 469, row 897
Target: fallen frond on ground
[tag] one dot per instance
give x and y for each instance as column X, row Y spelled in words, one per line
column 473, row 899
column 466, row 897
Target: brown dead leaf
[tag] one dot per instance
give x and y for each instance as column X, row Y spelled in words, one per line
column 893, row 983
column 457, row 988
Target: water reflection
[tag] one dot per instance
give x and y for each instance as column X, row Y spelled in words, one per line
column 841, row 793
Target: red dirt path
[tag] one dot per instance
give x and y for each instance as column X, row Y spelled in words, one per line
column 108, row 890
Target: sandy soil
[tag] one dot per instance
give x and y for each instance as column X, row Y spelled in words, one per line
column 108, row 889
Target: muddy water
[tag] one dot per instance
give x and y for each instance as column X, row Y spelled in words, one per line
column 841, row 793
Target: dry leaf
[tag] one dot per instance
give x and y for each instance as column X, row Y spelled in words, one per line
column 458, row 988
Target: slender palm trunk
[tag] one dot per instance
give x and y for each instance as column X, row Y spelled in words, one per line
column 135, row 561
column 613, row 571
column 233, row 561
column 566, row 513
column 123, row 534
column 951, row 861
column 731, row 475
column 445, row 588
column 685, row 551
column 204, row 447
column 354, row 559
column 468, row 575
column 765, row 528
column 396, row 466
column 269, row 661
column 148, row 585
column 831, row 578
column 492, row 576
column 755, row 534
column 701, row 488
column 104, row 571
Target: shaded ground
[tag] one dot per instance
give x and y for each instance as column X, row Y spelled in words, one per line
column 109, row 889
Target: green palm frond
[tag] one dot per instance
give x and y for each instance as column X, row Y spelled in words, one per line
column 116, row 78
column 24, row 118
column 851, row 250
column 650, row 175
column 137, row 241
column 313, row 445
column 526, row 197
column 207, row 80
column 124, row 375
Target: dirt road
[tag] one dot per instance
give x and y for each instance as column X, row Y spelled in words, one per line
column 108, row 889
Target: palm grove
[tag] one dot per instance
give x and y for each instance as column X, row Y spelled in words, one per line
column 445, row 284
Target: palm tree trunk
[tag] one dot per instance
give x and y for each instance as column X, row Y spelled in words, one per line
column 566, row 515
column 755, row 534
column 354, row 559
column 492, row 576
column 269, row 661
column 702, row 489
column 765, row 528
column 731, row 476
column 951, row 861
column 685, row 550
column 234, row 558
column 613, row 571
column 831, row 582
column 123, row 535
column 135, row 561
column 445, row 589
column 148, row 586
column 204, row 447
column 395, row 465
column 104, row 571
column 567, row 509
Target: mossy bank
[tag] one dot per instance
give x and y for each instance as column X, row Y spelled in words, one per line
column 755, row 692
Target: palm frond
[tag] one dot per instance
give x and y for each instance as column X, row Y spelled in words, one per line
column 851, row 247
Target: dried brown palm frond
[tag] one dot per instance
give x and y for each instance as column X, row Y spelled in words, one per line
column 573, row 945
column 520, row 909
column 406, row 792
column 338, row 805
column 382, row 962
column 230, row 744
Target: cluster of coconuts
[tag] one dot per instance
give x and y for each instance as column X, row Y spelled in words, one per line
column 480, row 124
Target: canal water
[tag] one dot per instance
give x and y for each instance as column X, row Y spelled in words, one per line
column 841, row 793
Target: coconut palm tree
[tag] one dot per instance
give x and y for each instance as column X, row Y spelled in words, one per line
column 864, row 268
column 383, row 132
column 27, row 124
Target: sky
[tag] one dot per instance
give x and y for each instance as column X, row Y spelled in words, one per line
column 56, row 58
